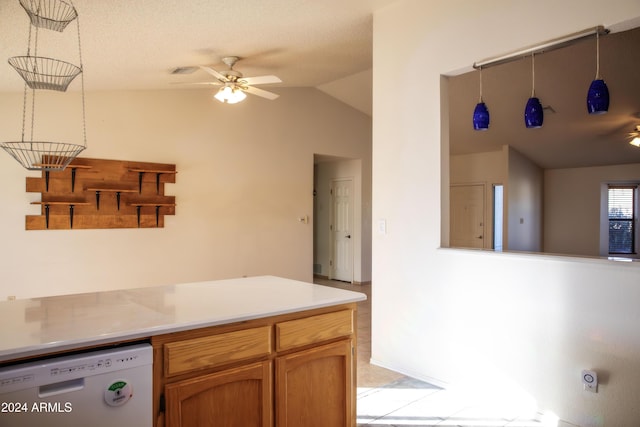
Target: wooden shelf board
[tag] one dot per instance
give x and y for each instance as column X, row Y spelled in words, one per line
column 152, row 204
column 151, row 171
column 56, row 165
column 114, row 190
column 62, row 203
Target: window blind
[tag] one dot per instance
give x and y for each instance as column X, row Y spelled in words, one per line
column 621, row 219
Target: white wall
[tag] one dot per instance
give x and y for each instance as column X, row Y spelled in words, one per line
column 523, row 202
column 245, row 176
column 572, row 206
column 520, row 325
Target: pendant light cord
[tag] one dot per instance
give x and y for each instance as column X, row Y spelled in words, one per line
column 597, row 55
column 533, row 75
column 480, row 84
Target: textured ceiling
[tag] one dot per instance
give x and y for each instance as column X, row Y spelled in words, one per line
column 135, row 44
column 569, row 137
column 328, row 44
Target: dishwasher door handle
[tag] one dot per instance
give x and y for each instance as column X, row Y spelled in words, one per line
column 61, row 387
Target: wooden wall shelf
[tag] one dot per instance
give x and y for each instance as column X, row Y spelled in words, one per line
column 97, row 193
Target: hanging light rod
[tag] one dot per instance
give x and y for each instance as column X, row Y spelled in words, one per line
column 547, row 46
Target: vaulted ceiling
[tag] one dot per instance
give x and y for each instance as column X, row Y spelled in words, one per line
column 134, row 45
column 328, row 44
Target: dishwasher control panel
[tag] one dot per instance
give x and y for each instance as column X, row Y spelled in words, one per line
column 65, row 368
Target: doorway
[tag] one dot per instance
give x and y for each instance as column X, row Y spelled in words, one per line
column 467, row 216
column 342, row 229
column 336, row 256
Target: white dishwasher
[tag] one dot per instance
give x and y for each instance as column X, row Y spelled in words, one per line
column 103, row 388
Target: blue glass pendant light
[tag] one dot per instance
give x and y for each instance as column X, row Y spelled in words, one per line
column 598, row 94
column 533, row 114
column 481, row 113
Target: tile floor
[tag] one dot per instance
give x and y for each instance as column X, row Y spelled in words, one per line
column 387, row 398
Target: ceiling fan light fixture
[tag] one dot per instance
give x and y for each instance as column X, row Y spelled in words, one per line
column 231, row 94
column 598, row 94
column 237, row 95
column 635, row 141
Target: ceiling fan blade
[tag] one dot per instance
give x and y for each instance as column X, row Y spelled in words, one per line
column 260, row 92
column 260, row 80
column 215, row 74
column 196, row 83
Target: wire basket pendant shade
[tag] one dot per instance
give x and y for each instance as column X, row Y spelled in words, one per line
column 45, row 73
column 42, row 73
column 43, row 155
column 52, row 15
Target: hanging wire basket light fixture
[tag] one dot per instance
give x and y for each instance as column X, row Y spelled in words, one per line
column 52, row 15
column 45, row 73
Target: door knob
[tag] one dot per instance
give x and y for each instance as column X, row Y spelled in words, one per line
column 479, row 237
column 348, row 236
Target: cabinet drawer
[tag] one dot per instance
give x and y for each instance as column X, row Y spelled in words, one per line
column 215, row 350
column 323, row 327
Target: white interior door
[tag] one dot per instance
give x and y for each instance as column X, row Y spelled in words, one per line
column 467, row 216
column 342, row 230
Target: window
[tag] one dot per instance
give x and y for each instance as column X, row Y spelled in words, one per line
column 622, row 217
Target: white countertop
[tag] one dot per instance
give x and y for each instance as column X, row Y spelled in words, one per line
column 37, row 326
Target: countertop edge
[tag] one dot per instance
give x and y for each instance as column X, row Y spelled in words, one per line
column 42, row 349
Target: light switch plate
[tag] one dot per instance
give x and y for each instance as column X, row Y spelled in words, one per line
column 590, row 381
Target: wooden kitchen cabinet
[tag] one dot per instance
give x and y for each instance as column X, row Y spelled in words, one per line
column 314, row 387
column 239, row 397
column 292, row 370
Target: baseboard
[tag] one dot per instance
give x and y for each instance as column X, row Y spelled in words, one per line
column 323, row 277
column 432, row 381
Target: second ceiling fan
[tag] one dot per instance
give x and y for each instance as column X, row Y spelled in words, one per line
column 234, row 84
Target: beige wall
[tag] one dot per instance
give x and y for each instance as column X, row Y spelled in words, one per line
column 245, row 176
column 573, row 206
column 523, row 201
column 517, row 327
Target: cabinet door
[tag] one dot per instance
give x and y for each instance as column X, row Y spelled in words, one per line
column 239, row 397
column 315, row 387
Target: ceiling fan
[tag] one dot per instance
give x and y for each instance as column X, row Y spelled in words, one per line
column 234, row 84
column 634, row 137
